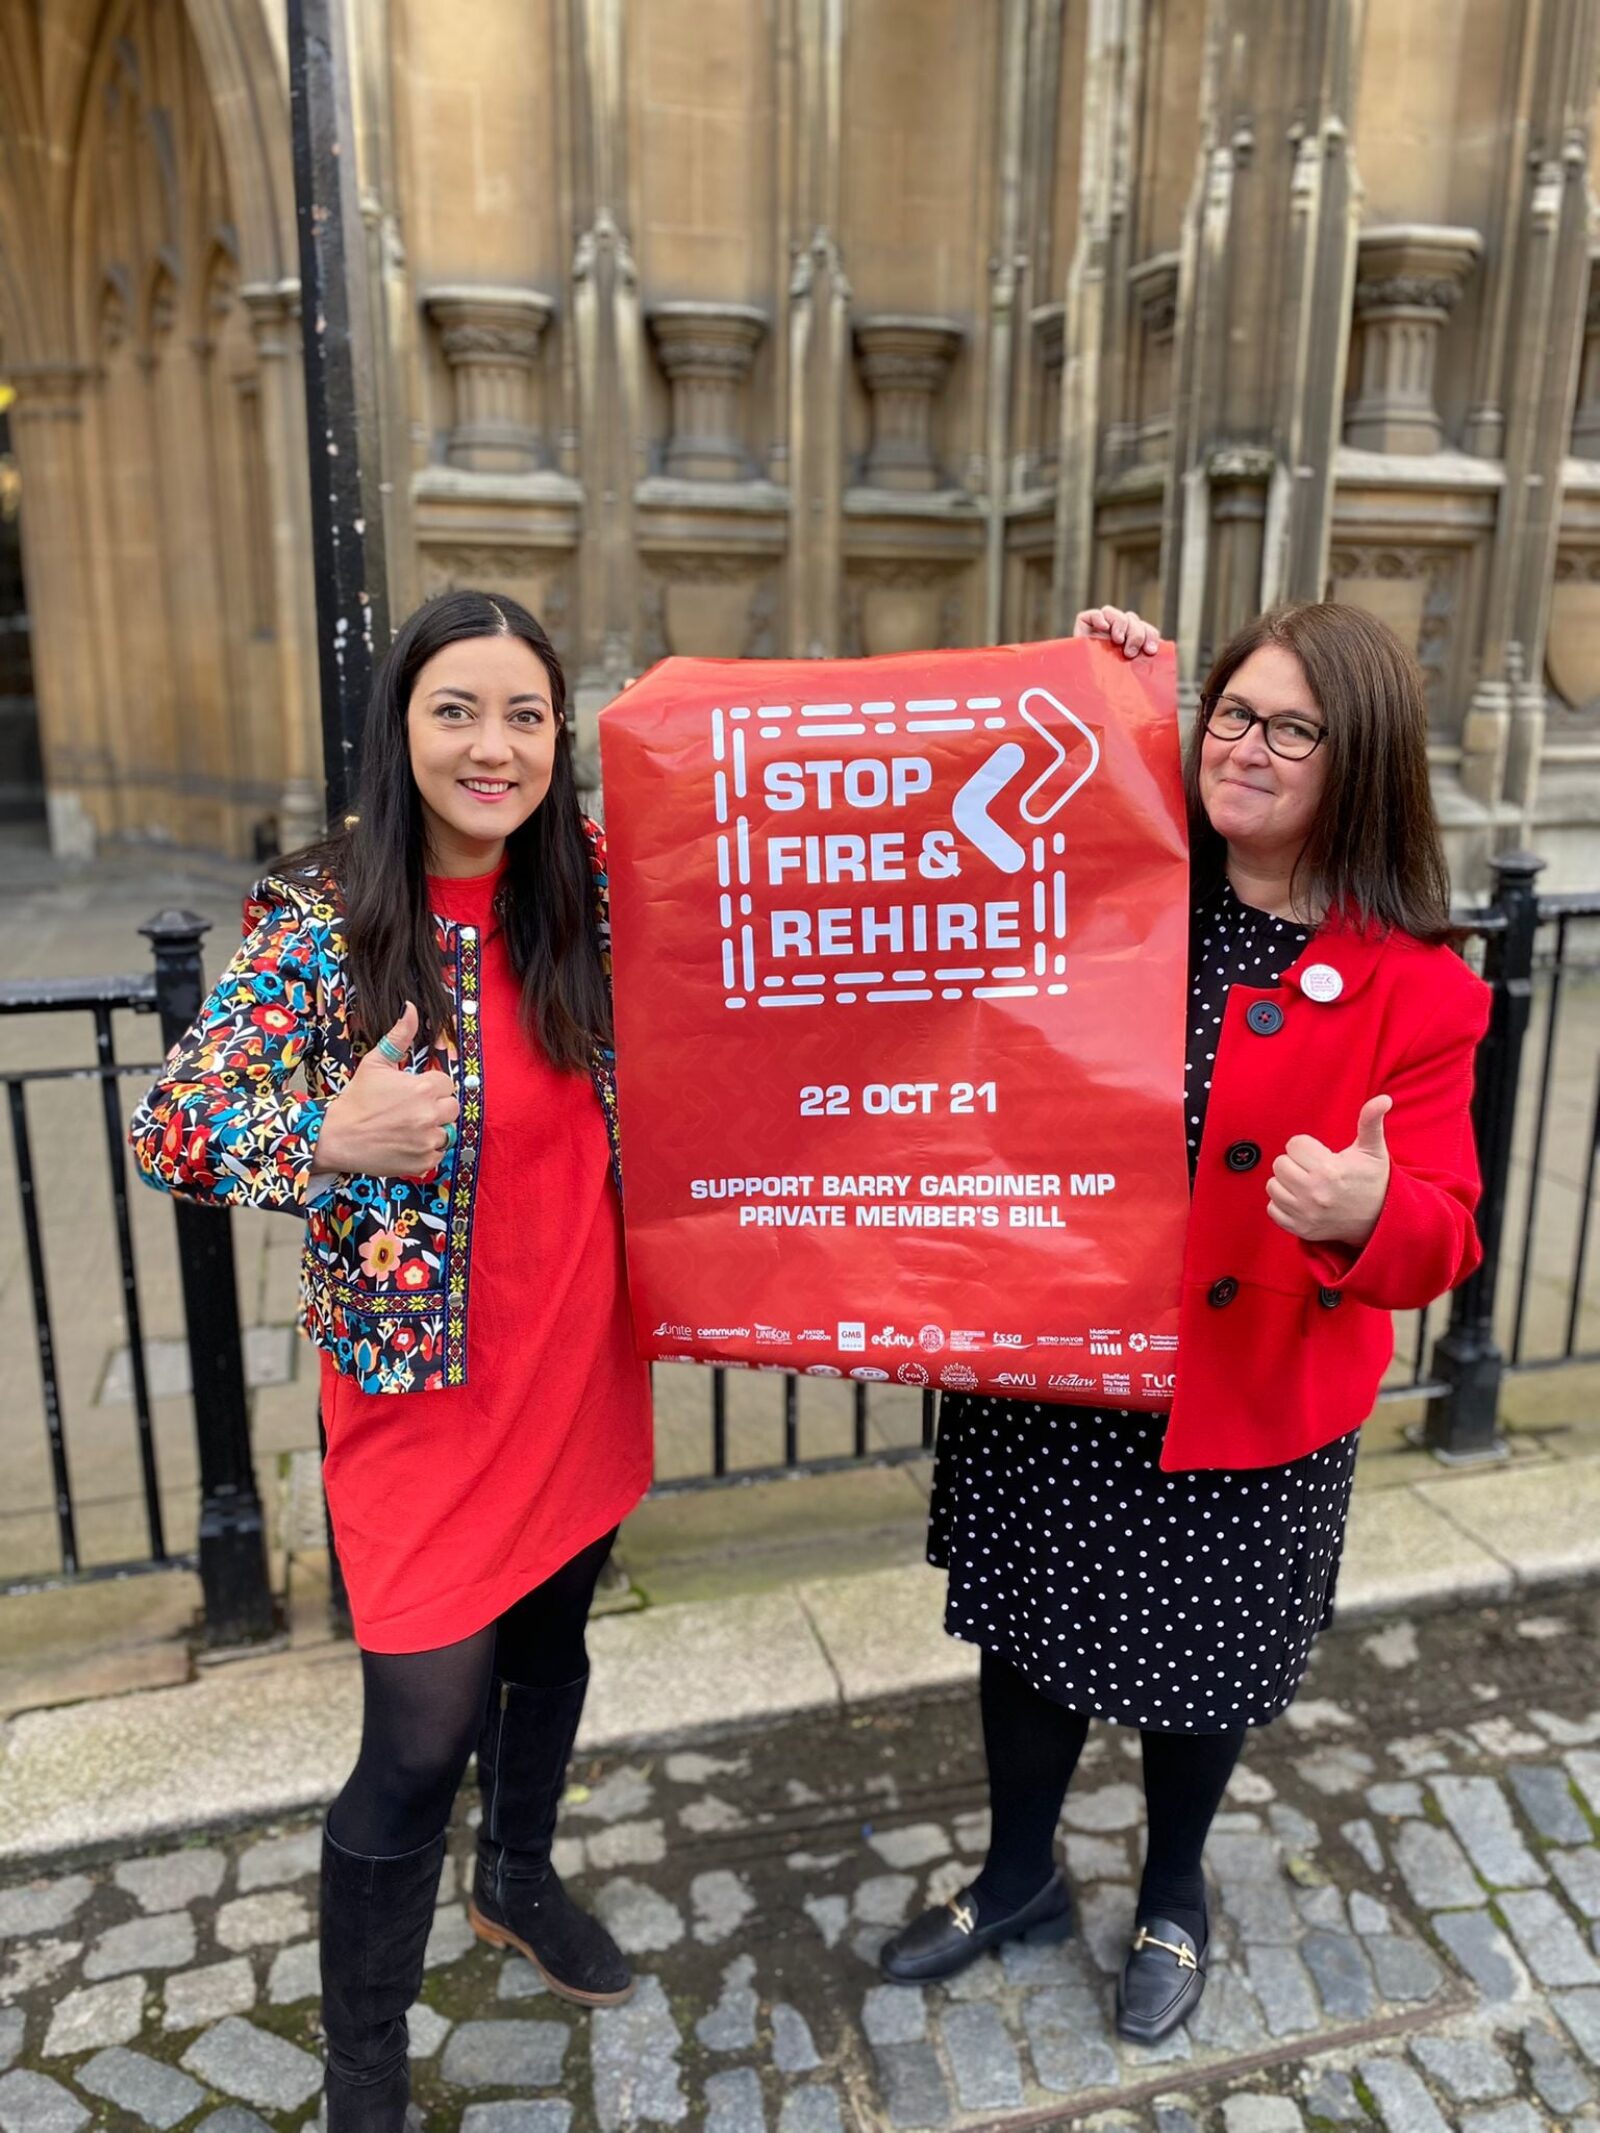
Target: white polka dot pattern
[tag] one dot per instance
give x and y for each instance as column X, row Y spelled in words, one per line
column 1187, row 1602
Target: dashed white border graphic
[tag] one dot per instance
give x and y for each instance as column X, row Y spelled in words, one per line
column 1043, row 967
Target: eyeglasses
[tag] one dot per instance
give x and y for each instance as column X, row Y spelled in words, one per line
column 1289, row 734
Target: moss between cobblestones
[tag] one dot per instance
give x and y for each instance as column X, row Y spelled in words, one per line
column 165, row 2047
column 296, row 2024
column 464, row 1989
column 1364, row 2095
column 106, row 2117
column 431, row 1991
column 444, row 2107
column 1511, row 2045
column 1423, row 1923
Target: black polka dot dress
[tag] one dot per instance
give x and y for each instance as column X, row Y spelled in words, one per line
column 1183, row 1602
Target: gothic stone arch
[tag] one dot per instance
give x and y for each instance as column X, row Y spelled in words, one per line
column 147, row 319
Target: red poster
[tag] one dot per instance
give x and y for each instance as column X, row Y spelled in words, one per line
column 900, row 951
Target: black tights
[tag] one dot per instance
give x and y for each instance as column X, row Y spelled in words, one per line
column 421, row 1711
column 1032, row 1746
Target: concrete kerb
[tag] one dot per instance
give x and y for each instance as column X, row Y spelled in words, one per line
column 1404, row 1552
column 273, row 1738
column 1542, row 1519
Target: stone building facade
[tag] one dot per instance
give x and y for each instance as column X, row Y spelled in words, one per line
column 748, row 327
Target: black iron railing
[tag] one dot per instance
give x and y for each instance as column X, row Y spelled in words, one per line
column 1568, row 957
column 862, row 1451
column 1537, row 953
column 230, row 1547
column 1533, row 952
column 100, row 999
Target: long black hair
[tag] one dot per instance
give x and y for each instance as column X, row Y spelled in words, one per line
column 378, row 861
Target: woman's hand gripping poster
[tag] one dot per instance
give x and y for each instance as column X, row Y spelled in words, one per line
column 899, row 950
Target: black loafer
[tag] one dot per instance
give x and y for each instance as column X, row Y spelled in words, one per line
column 1161, row 1982
column 947, row 1938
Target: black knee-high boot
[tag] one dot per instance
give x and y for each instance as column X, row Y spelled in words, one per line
column 517, row 1897
column 376, row 1915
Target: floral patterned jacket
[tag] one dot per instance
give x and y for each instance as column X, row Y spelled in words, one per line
column 386, row 1268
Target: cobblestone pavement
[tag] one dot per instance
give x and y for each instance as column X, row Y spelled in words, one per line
column 1407, row 1884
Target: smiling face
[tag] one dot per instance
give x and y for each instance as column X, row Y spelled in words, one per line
column 482, row 733
column 1262, row 805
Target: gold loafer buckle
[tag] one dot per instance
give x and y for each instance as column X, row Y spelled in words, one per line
column 1180, row 1951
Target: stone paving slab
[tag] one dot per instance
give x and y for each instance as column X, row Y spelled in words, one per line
column 243, row 1740
column 673, row 1672
column 1440, row 1975
column 885, row 1632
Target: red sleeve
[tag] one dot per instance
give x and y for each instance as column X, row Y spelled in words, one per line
column 1425, row 1241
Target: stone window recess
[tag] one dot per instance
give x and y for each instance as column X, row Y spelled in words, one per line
column 709, row 606
column 1154, row 285
column 1418, row 589
column 706, row 352
column 1409, row 279
column 1586, row 416
column 1049, row 323
column 904, row 606
column 904, row 365
column 528, row 574
column 1572, row 649
column 491, row 338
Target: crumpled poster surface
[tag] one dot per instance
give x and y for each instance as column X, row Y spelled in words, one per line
column 900, row 950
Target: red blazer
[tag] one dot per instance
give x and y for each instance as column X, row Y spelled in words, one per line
column 1282, row 1343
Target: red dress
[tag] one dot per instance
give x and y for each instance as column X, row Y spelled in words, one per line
column 448, row 1506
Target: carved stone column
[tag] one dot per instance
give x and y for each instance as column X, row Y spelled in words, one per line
column 904, row 363
column 490, row 339
column 1586, row 416
column 1154, row 284
column 1108, row 62
column 1049, row 323
column 274, row 309
column 705, row 351
column 47, row 423
column 1409, row 279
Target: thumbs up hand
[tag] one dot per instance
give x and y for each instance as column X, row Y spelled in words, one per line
column 1328, row 1197
column 388, row 1122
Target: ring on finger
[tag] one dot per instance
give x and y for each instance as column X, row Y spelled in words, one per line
column 449, row 1137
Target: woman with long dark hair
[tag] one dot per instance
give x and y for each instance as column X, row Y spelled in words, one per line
column 1170, row 1571
column 436, row 977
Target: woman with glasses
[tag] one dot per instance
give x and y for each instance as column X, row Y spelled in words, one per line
column 1171, row 1571
column 412, row 1050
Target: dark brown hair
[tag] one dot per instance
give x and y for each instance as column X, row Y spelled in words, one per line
column 546, row 903
column 1373, row 851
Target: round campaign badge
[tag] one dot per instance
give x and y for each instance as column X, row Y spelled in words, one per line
column 1321, row 982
